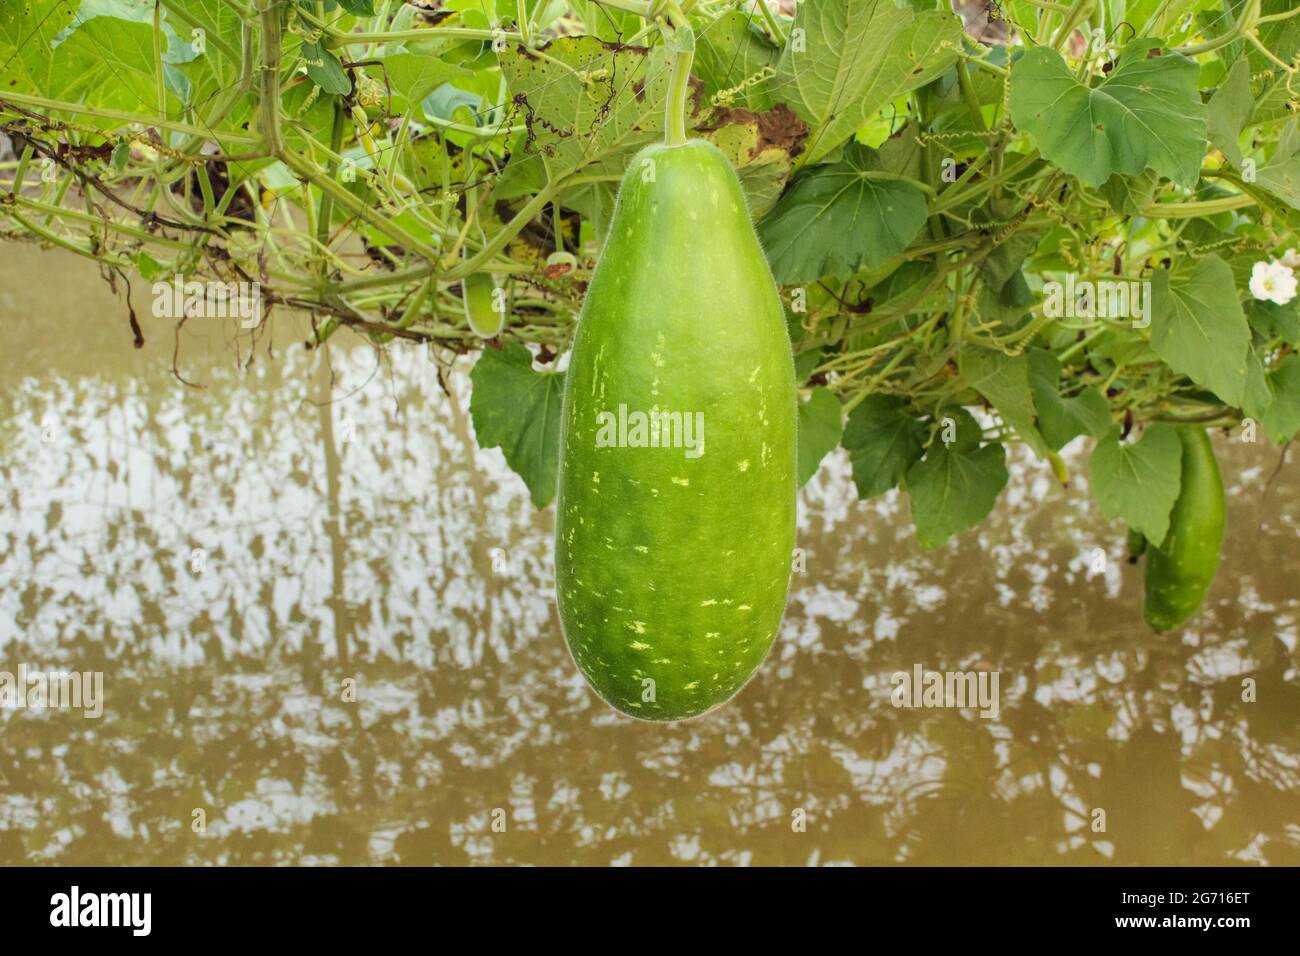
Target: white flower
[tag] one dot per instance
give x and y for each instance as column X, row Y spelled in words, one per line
column 1291, row 260
column 1272, row 281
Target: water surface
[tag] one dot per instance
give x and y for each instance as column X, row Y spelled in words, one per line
column 233, row 558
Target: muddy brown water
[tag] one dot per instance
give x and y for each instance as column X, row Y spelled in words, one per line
column 235, row 559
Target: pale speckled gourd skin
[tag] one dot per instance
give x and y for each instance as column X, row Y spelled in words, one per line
column 667, row 567
column 1180, row 572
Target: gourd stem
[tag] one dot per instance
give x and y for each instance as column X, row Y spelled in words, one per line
column 772, row 26
column 677, row 93
column 679, row 87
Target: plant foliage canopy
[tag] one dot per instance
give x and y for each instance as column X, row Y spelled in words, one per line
column 1020, row 222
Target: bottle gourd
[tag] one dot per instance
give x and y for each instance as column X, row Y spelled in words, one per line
column 676, row 516
column 1179, row 572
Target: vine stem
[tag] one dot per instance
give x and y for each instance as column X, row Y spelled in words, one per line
column 971, row 97
column 1245, row 24
column 269, row 80
column 679, row 87
column 1193, row 210
column 521, row 8
column 326, row 213
column 81, row 109
column 1078, row 11
column 641, row 8
column 773, row 27
column 338, row 38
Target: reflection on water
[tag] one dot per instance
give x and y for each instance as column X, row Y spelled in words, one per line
column 233, row 559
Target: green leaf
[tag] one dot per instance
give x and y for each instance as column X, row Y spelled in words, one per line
column 838, row 217
column 731, row 50
column 105, row 58
column 603, row 22
column 820, row 427
column 444, row 101
column 1004, row 381
column 883, row 441
column 1004, row 262
column 1006, row 306
column 1003, row 295
column 903, row 152
column 954, row 489
column 414, row 76
column 1139, row 483
column 1147, row 113
column 1281, row 176
column 805, row 363
column 100, row 52
column 1257, row 397
column 901, row 286
column 150, row 268
column 958, row 430
column 1274, row 321
column 517, row 409
column 1129, row 195
column 857, row 56
column 27, row 32
column 1274, row 103
column 1060, row 419
column 358, row 8
column 1122, row 345
column 1198, row 327
column 763, row 168
column 1229, row 111
column 1282, row 420
column 325, row 70
column 588, row 104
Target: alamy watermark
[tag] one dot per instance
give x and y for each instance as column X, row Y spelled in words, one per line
column 37, row 689
column 210, row 300
column 133, row 911
column 922, row 688
column 653, row 429
column 1098, row 299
